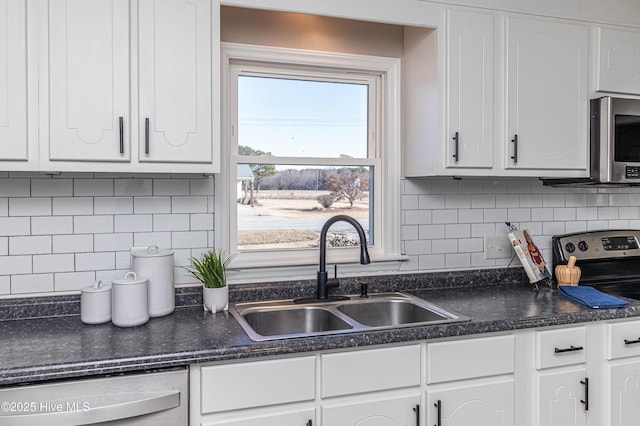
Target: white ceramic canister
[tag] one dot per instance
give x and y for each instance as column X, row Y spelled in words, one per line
column 158, row 266
column 129, row 305
column 95, row 303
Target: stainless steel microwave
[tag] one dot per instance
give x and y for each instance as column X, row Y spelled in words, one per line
column 615, row 140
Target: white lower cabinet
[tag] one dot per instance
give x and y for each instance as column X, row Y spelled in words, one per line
column 470, row 382
column 561, row 384
column 622, row 373
column 292, row 417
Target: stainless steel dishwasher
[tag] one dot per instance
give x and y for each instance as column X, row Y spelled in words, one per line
column 139, row 399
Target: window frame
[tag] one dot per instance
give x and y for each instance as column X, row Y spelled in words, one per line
column 383, row 155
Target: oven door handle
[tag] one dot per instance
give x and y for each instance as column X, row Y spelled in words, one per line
column 61, row 412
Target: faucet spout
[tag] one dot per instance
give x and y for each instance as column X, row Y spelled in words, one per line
column 323, row 285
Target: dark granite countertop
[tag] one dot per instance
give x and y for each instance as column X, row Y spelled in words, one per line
column 58, row 347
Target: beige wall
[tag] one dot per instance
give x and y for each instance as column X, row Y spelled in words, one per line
column 300, row 31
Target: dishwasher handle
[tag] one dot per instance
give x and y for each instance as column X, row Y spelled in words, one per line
column 138, row 404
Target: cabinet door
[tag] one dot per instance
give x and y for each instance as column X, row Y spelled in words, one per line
column 380, row 411
column 469, row 89
column 560, row 398
column 624, row 380
column 618, row 56
column 489, row 404
column 89, row 80
column 13, row 81
column 175, row 81
column 547, row 99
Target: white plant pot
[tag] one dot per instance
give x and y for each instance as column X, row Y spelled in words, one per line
column 215, row 299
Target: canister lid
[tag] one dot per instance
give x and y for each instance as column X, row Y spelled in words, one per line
column 130, row 278
column 97, row 287
column 151, row 251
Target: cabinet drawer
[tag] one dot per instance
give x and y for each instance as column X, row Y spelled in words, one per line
column 471, row 358
column 565, row 346
column 370, row 370
column 623, row 339
column 255, row 384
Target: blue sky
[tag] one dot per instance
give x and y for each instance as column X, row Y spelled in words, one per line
column 297, row 118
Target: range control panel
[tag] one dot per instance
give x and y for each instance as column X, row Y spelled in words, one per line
column 597, row 244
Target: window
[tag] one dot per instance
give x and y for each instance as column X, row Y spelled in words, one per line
column 307, row 135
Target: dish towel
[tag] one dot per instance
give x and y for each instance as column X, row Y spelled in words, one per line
column 590, row 297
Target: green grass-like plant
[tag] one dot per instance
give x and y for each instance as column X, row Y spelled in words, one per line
column 210, row 268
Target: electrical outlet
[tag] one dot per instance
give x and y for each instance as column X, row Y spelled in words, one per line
column 497, row 247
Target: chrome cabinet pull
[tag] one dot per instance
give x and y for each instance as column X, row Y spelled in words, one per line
column 569, row 349
column 121, row 122
column 631, row 342
column 438, row 405
column 514, row 157
column 146, row 135
column 456, row 139
column 585, row 401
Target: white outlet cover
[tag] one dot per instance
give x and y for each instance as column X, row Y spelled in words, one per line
column 497, row 247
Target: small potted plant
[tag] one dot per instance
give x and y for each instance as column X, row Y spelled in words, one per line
column 210, row 269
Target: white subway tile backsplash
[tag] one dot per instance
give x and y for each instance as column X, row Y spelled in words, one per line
column 29, row 206
column 113, row 242
column 113, row 205
column 67, row 206
column 495, row 215
column 93, row 224
column 459, row 230
column 29, row 245
column 189, row 239
column 194, row 204
column 133, row 187
column 201, row 222
column 53, row 263
column 35, row 283
column 51, row 187
column 457, row 201
column 430, row 202
column 628, row 213
column 4, row 207
column 201, row 186
column 417, row 217
column 5, row 284
column 518, row 215
column 123, row 259
column 133, row 223
column 471, row 216
column 68, row 281
column 542, row 214
column 409, row 232
column 11, row 265
column 481, row 201
column 95, row 261
column 72, row 243
column 607, row 213
column 4, row 246
column 150, row 205
column 170, row 187
column 409, row 202
column 160, row 239
column 51, row 225
column 587, row 213
column 15, row 187
column 444, row 246
column 417, row 247
column 431, row 261
column 458, row 260
column 171, row 222
column 15, row 226
column 444, row 216
column 431, row 232
column 93, row 187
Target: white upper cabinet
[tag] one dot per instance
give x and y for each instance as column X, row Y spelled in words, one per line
column 130, row 85
column 13, row 83
column 618, row 61
column 470, row 106
column 175, row 80
column 547, row 95
column 89, row 80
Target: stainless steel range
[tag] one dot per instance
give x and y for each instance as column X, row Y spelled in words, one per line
column 609, row 259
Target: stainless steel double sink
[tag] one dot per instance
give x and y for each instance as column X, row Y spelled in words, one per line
column 284, row 319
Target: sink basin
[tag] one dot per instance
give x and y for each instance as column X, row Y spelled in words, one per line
column 283, row 319
column 291, row 321
column 390, row 313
